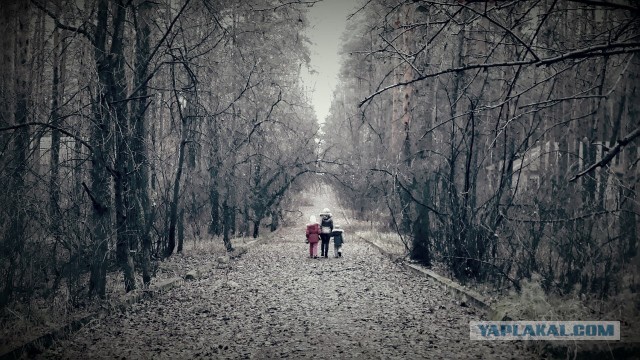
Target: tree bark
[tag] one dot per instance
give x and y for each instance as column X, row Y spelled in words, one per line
column 226, row 224
column 214, row 202
column 180, row 229
column 101, row 141
column 173, row 207
column 421, row 247
column 141, row 217
column 629, row 197
column 118, row 109
column 15, row 236
column 57, row 89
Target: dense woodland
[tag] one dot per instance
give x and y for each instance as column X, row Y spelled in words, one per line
column 499, row 138
column 127, row 127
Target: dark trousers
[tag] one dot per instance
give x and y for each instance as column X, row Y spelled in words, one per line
column 324, row 247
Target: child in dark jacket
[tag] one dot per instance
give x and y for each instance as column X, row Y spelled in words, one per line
column 338, row 240
column 326, row 228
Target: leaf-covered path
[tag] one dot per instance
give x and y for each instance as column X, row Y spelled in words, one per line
column 274, row 302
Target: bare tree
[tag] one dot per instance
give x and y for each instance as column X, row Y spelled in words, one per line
column 507, row 118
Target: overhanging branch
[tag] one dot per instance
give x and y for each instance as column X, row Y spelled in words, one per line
column 431, row 208
column 610, row 155
column 35, row 123
column 593, row 51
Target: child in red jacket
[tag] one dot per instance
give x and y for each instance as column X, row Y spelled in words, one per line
column 313, row 235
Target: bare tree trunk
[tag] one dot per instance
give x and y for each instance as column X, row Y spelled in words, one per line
column 629, row 196
column 275, row 219
column 245, row 217
column 256, row 227
column 57, row 89
column 118, row 108
column 458, row 227
column 100, row 196
column 258, row 208
column 37, row 93
column 15, row 236
column 214, row 202
column 226, row 225
column 214, row 182
column 142, row 216
column 173, row 207
column 101, row 141
column 180, row 229
column 7, row 57
column 421, row 243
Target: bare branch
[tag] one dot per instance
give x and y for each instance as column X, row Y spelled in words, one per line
column 610, row 155
column 613, row 5
column 36, row 123
column 555, row 221
column 435, row 211
column 403, row 56
column 287, row 3
column 62, row 26
column 156, row 48
column 588, row 52
column 97, row 206
column 447, row 71
column 529, row 50
column 593, row 51
column 360, row 9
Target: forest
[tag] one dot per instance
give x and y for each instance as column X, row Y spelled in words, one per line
column 499, row 139
column 130, row 126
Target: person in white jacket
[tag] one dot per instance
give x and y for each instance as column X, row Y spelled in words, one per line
column 326, row 228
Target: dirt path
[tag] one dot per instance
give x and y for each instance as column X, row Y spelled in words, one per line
column 275, row 302
column 278, row 303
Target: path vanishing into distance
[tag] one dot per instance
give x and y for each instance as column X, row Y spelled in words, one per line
column 275, row 302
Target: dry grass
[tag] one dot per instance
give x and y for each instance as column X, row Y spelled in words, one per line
column 389, row 242
column 533, row 303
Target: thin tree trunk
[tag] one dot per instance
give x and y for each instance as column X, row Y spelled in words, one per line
column 457, row 229
column 101, row 141
column 256, row 227
column 420, row 247
column 245, row 218
column 173, row 207
column 226, row 215
column 180, row 229
column 275, row 219
column 629, row 197
column 214, row 202
column 15, row 236
column 117, row 92
column 142, row 217
column 56, row 94
column 7, row 57
column 214, row 183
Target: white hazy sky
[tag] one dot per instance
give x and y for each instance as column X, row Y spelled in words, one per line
column 327, row 23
